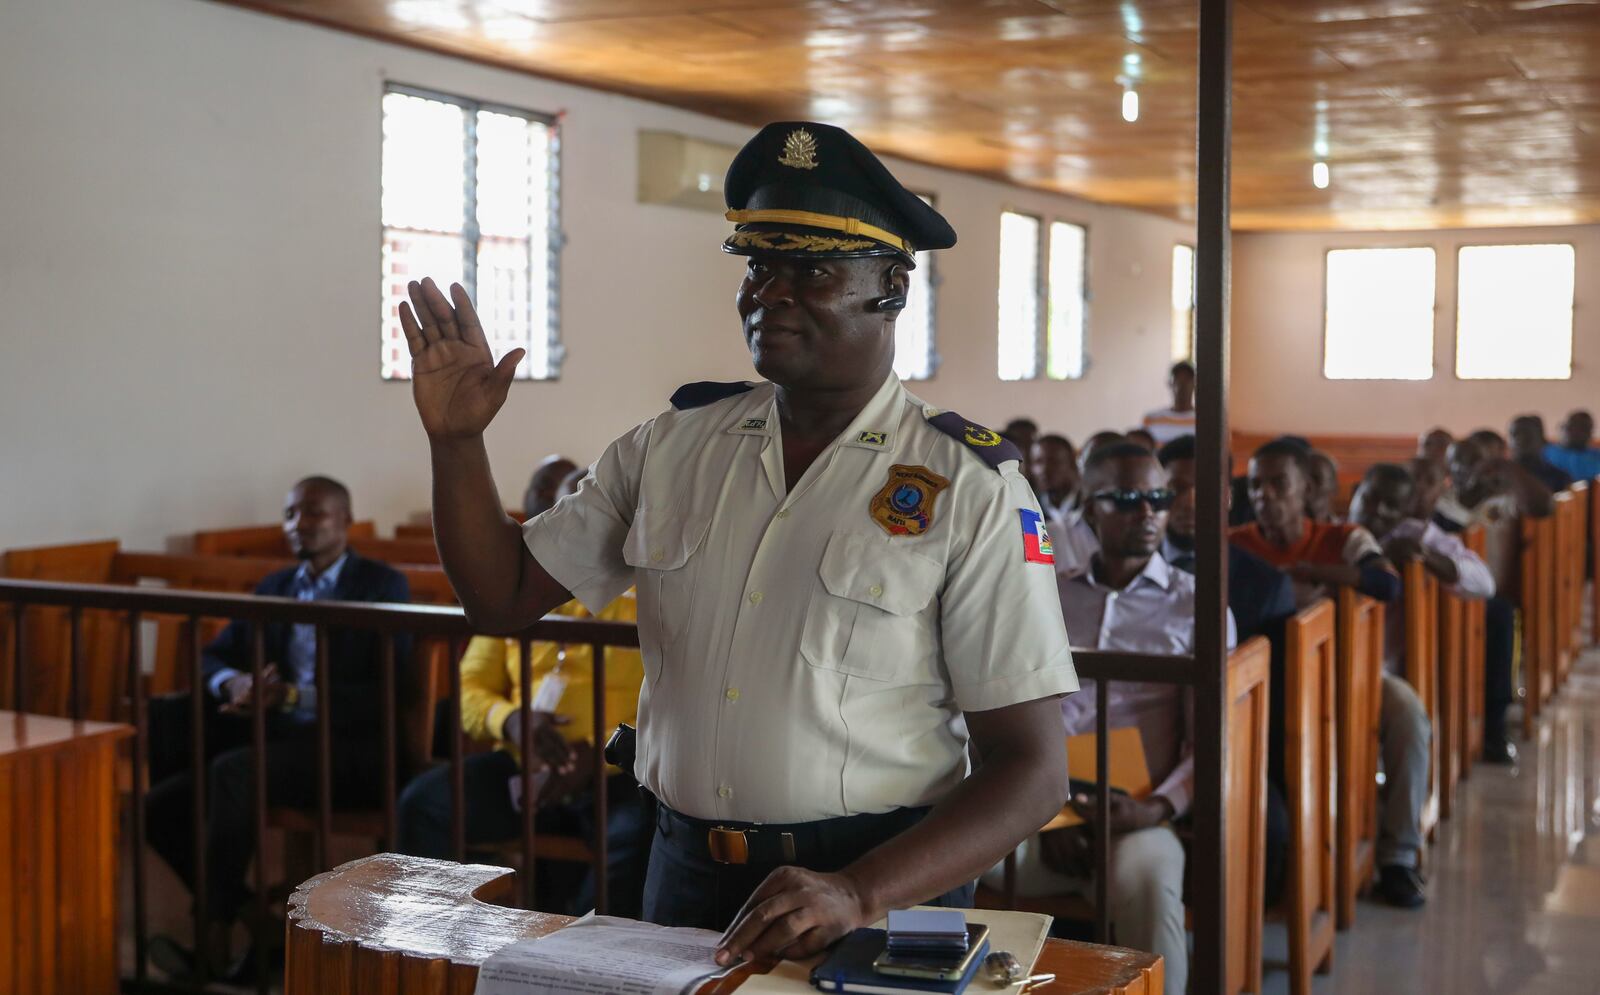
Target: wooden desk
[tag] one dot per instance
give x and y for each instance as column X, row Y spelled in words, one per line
column 58, row 854
column 407, row 924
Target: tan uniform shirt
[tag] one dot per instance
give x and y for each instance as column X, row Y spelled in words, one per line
column 802, row 662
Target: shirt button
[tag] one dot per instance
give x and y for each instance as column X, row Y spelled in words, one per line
column 655, row 556
column 877, row 590
column 724, row 792
column 784, row 513
column 733, row 694
column 755, row 597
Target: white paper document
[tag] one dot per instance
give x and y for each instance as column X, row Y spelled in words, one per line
column 600, row 955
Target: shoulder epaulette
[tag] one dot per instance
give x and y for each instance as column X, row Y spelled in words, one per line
column 698, row 395
column 987, row 444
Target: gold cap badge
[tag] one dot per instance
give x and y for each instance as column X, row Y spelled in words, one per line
column 799, row 150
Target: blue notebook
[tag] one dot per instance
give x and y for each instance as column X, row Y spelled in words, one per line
column 849, row 969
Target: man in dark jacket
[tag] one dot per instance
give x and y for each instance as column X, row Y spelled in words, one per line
column 316, row 521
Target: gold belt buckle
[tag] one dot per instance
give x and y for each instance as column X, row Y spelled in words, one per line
column 728, row 846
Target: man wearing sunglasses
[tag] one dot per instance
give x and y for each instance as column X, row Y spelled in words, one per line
column 1131, row 600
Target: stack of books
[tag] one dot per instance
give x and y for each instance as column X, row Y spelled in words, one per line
column 928, row 934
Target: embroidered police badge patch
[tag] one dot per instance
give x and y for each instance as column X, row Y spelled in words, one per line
column 905, row 504
column 872, row 438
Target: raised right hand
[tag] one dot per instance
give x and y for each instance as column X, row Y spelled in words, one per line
column 455, row 382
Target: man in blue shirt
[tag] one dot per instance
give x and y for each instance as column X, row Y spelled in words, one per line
column 1528, row 448
column 316, row 522
column 1575, row 455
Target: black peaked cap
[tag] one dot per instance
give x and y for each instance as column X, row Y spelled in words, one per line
column 813, row 189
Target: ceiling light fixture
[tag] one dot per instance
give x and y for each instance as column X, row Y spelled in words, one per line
column 1319, row 175
column 1130, row 105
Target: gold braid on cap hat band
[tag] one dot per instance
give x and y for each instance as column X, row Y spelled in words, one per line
column 832, row 222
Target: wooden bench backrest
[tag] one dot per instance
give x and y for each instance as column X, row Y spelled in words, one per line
column 1535, row 601
column 260, row 540
column 1421, row 600
column 1451, row 727
column 1310, row 742
column 47, row 647
column 1249, row 704
column 398, row 552
column 1360, row 696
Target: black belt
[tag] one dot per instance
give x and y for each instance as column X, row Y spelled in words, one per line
column 818, row 845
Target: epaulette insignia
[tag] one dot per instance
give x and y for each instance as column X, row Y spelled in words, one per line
column 986, row 444
column 698, row 395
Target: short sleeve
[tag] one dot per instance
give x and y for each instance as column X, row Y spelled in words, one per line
column 1003, row 637
column 1359, row 545
column 579, row 541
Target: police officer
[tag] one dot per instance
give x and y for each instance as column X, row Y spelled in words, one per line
column 838, row 584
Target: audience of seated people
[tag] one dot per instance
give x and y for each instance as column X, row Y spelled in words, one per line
column 1575, row 455
column 1130, row 599
column 1321, row 557
column 316, row 521
column 1165, row 424
column 1123, row 525
column 562, row 736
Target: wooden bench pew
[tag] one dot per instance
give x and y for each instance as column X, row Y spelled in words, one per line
column 1451, row 729
column 1536, row 603
column 260, row 540
column 1474, row 650
column 1421, row 594
column 1310, row 904
column 1249, row 704
column 1359, row 696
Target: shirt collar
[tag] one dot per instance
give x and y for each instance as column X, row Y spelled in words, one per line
column 874, row 428
column 1157, row 572
column 326, row 580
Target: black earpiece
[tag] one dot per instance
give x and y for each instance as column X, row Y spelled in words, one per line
column 896, row 302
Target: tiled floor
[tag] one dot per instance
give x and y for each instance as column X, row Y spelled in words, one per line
column 1513, row 879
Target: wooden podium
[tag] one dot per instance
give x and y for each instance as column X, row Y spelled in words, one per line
column 58, row 855
column 393, row 925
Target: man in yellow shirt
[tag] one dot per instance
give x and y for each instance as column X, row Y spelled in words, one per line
column 563, row 740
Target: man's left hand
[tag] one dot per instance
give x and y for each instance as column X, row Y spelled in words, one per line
column 1128, row 814
column 795, row 913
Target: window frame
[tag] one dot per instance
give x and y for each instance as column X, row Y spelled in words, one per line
column 471, row 235
column 1572, row 324
column 1041, row 334
column 1433, row 338
column 1188, row 356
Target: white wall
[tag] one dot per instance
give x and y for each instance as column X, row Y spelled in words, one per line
column 1277, row 382
column 190, row 274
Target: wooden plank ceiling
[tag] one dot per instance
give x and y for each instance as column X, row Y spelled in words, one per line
column 1432, row 114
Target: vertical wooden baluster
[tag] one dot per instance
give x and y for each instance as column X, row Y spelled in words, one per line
column 258, row 760
column 19, row 686
column 140, row 748
column 601, row 814
column 1102, row 812
column 75, row 662
column 458, row 790
column 391, row 776
column 197, row 778
column 324, row 751
column 526, row 756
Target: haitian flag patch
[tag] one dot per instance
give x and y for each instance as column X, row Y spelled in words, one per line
column 1036, row 547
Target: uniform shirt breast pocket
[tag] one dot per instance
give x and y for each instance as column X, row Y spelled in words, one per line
column 661, row 547
column 869, row 614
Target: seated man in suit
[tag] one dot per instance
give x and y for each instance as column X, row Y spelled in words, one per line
column 316, row 522
column 1129, row 599
column 562, row 737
